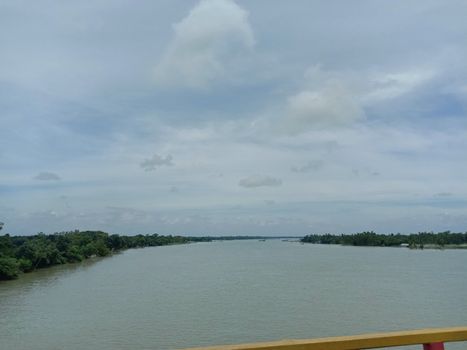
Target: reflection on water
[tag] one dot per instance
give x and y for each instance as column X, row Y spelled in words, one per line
column 231, row 292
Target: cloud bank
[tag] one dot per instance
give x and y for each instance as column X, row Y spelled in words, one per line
column 349, row 121
column 206, row 45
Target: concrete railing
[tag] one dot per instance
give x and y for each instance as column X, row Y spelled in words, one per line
column 431, row 339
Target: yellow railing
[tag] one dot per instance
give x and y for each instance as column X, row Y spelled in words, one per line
column 432, row 339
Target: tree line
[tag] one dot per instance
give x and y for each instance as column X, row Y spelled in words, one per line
column 370, row 238
column 20, row 254
column 26, row 253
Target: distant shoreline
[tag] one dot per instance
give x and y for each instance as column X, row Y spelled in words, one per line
column 421, row 240
column 22, row 254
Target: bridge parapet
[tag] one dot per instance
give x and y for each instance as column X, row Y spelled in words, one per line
column 431, row 339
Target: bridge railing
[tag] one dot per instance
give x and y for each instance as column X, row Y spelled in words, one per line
column 431, row 339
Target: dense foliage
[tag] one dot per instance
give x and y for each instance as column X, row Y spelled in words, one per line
column 26, row 253
column 414, row 240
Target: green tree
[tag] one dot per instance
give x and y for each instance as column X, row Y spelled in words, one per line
column 9, row 268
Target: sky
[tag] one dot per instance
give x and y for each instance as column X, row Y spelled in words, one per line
column 223, row 117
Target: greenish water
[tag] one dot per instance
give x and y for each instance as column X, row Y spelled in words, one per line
column 232, row 292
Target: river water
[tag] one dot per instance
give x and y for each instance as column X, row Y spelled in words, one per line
column 232, row 292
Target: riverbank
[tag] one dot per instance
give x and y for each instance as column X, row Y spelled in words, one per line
column 22, row 254
column 421, row 240
column 441, row 247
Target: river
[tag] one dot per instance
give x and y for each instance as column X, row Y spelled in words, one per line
column 232, row 292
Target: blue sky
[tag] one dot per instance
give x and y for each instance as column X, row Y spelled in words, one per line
column 233, row 117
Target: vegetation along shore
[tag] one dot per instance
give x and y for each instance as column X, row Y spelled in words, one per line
column 419, row 240
column 19, row 254
column 26, row 253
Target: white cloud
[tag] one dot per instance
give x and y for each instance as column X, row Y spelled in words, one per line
column 259, row 181
column 392, row 85
column 156, row 161
column 207, row 44
column 333, row 105
column 330, row 99
column 47, row 176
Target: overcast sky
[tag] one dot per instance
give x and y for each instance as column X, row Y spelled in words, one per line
column 226, row 117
